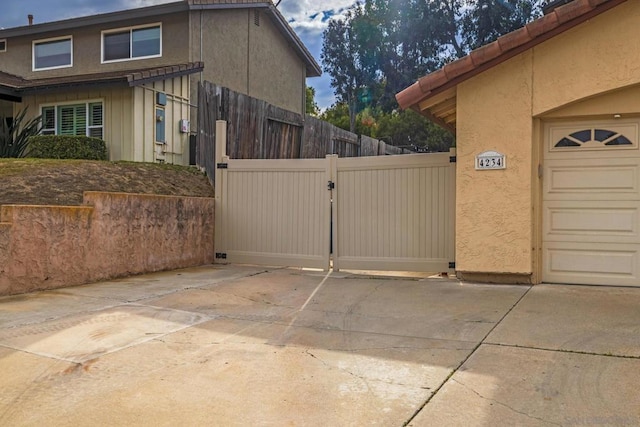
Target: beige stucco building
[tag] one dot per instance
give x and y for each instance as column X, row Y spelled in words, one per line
column 130, row 77
column 560, row 100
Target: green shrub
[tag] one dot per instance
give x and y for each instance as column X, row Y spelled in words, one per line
column 67, row 147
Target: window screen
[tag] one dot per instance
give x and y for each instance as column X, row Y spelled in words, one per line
column 52, row 54
column 132, row 43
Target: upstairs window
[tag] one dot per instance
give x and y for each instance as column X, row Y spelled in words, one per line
column 52, row 53
column 132, row 43
column 77, row 119
column 3, row 45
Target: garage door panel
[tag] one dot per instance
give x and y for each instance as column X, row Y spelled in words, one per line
column 586, row 263
column 591, row 182
column 588, row 221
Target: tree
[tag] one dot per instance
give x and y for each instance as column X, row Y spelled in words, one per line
column 337, row 115
column 15, row 134
column 383, row 46
column 348, row 55
column 486, row 20
column 311, row 107
column 410, row 130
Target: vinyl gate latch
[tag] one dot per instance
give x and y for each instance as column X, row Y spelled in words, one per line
column 331, row 185
column 221, row 255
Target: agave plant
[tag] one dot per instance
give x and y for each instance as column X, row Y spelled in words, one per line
column 14, row 135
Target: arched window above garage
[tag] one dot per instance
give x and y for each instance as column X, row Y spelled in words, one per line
column 593, row 138
column 593, row 135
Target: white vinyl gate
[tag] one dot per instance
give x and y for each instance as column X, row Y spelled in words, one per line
column 376, row 213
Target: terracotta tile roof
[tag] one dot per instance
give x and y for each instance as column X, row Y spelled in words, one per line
column 555, row 22
column 20, row 86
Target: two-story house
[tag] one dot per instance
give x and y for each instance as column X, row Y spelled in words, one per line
column 130, row 77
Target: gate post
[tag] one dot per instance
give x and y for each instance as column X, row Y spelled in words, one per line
column 451, row 226
column 219, row 214
column 332, row 173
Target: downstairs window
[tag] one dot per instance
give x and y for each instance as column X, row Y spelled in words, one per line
column 77, row 119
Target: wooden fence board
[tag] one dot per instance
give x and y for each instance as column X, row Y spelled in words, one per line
column 259, row 130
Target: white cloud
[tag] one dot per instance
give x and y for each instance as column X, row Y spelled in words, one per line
column 308, row 19
column 309, row 14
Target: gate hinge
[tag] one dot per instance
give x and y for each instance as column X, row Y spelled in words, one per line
column 222, row 165
column 331, row 185
column 221, row 255
column 452, row 265
column 540, row 171
column 452, row 159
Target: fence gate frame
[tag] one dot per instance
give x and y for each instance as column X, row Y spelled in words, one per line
column 305, row 212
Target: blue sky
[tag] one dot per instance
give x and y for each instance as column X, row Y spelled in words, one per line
column 307, row 17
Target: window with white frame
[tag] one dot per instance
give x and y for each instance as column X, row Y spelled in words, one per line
column 3, row 45
column 132, row 43
column 74, row 119
column 53, row 53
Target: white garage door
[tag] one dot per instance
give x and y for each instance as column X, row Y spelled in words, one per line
column 591, row 202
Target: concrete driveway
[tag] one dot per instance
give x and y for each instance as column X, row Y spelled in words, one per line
column 244, row 346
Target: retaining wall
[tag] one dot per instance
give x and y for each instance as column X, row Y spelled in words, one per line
column 112, row 235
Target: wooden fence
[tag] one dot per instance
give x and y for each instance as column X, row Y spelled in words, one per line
column 259, row 130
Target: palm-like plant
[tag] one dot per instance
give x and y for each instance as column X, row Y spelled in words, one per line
column 14, row 136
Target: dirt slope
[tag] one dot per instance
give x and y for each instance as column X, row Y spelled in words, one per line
column 62, row 182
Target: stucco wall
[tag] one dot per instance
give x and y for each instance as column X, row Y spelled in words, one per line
column 592, row 70
column 247, row 58
column 87, row 48
column 598, row 56
column 621, row 101
column 114, row 235
column 493, row 214
column 273, row 61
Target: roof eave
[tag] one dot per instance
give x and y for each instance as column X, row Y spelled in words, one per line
column 9, row 94
column 178, row 71
column 126, row 79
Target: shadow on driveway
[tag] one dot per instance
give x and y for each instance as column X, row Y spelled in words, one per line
column 239, row 345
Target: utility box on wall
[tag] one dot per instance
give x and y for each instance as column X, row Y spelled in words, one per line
column 160, row 126
column 185, row 126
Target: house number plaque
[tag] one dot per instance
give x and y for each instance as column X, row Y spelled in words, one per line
column 490, row 160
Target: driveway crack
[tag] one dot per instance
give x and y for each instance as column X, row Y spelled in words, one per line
column 450, row 376
column 504, row 404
